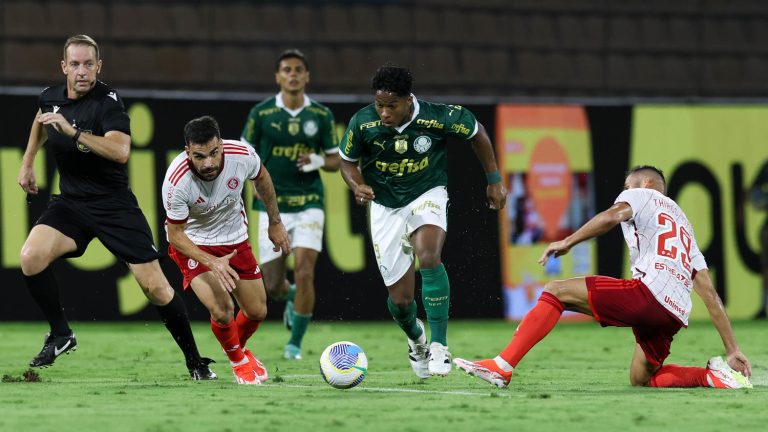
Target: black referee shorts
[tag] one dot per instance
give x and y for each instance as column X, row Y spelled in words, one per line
column 114, row 219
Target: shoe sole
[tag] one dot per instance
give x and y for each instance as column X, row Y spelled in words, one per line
column 484, row 374
column 46, row 366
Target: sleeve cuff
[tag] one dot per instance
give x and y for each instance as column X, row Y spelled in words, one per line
column 176, row 222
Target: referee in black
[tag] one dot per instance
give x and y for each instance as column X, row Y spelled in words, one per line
column 87, row 130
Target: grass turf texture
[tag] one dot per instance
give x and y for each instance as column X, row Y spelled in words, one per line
column 130, row 376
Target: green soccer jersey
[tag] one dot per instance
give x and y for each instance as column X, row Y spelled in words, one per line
column 401, row 164
column 280, row 136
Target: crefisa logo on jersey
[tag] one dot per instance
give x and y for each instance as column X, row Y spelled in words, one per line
column 233, row 183
column 310, row 128
column 192, row 264
column 422, row 143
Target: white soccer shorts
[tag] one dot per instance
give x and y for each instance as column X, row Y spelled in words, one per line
column 305, row 230
column 391, row 230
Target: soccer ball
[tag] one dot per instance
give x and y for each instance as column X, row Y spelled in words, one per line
column 343, row 365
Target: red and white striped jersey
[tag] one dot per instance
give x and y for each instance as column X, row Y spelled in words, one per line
column 663, row 252
column 213, row 210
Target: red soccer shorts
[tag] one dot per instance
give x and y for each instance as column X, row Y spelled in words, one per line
column 244, row 263
column 629, row 303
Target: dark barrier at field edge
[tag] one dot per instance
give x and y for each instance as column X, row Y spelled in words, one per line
column 471, row 252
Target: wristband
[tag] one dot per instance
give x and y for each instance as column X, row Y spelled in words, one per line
column 76, row 136
column 316, row 162
column 493, row 177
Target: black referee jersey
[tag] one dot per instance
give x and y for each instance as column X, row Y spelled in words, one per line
column 84, row 174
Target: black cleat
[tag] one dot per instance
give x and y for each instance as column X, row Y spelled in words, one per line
column 53, row 347
column 201, row 371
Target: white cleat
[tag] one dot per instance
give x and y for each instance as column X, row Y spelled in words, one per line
column 418, row 353
column 439, row 359
column 721, row 375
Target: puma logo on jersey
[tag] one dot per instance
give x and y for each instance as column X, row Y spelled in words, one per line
column 277, row 126
column 377, row 143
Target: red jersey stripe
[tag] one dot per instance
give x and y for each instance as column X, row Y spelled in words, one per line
column 179, row 176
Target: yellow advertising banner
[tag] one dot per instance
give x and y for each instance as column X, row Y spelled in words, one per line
column 710, row 156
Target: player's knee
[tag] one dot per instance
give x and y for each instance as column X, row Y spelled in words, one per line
column 636, row 381
column 402, row 302
column 32, row 261
column 255, row 311
column 557, row 289
column 222, row 314
column 429, row 259
column 158, row 292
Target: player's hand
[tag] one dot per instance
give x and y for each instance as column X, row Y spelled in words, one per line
column 364, row 194
column 27, row 179
column 738, row 361
column 310, row 162
column 557, row 249
column 224, row 273
column 279, row 237
column 497, row 196
column 58, row 122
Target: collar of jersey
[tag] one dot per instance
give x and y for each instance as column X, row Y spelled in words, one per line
column 293, row 112
column 400, row 129
column 197, row 174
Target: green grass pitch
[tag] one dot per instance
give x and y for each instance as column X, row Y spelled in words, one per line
column 131, row 377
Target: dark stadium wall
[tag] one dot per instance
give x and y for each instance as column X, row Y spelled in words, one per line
column 97, row 287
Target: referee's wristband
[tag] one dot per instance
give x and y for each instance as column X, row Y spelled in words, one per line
column 76, row 136
column 493, row 177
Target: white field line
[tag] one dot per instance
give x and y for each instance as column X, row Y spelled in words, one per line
column 400, row 390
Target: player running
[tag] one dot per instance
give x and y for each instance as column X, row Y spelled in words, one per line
column 395, row 158
column 666, row 265
column 208, row 235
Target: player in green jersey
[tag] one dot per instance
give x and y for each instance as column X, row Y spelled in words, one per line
column 294, row 135
column 394, row 159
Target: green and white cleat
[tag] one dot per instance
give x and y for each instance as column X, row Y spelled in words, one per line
column 721, row 375
column 292, row 352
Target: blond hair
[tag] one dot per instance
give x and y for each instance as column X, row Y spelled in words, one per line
column 81, row 40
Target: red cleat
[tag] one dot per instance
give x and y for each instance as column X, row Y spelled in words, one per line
column 257, row 365
column 486, row 370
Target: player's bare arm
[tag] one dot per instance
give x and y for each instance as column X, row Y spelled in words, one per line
column 37, row 137
column 354, row 179
column 600, row 224
column 219, row 266
column 114, row 145
column 704, row 287
column 313, row 162
column 481, row 145
column 264, row 189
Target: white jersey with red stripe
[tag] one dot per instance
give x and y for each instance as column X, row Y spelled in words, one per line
column 213, row 210
column 663, row 252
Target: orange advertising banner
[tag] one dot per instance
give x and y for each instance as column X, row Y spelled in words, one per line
column 545, row 158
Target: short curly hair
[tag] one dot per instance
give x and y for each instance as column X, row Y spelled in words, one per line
column 392, row 79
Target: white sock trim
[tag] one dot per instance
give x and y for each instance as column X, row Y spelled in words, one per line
column 502, row 364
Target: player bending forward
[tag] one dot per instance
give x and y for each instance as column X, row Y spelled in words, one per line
column 208, row 235
column 666, row 264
